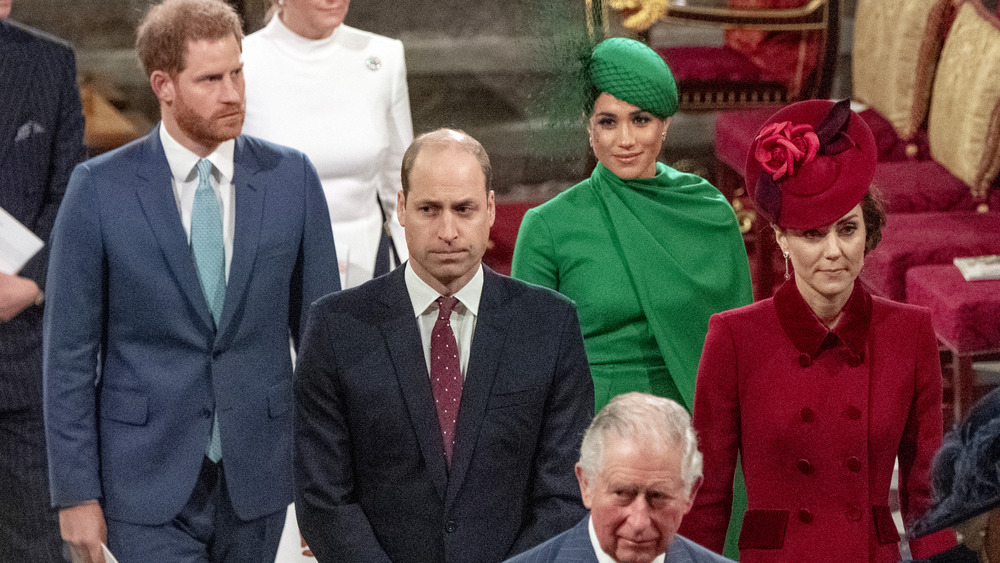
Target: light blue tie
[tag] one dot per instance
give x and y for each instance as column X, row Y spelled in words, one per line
column 210, row 258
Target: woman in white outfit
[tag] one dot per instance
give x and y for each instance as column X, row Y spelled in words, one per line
column 339, row 95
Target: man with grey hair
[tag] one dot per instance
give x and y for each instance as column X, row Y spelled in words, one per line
column 639, row 471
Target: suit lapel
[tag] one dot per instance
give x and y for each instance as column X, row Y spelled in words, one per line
column 249, row 212
column 487, row 344
column 402, row 336
column 15, row 65
column 156, row 197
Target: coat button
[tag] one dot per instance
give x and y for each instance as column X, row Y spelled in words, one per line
column 206, row 413
column 805, row 516
column 854, row 464
column 854, row 514
column 804, row 360
column 853, row 412
column 807, row 414
column 450, row 526
column 804, row 466
column 216, row 354
column 854, row 361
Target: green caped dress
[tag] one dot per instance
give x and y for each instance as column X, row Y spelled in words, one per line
column 647, row 262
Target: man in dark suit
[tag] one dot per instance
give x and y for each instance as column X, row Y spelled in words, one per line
column 41, row 139
column 639, row 472
column 438, row 407
column 180, row 264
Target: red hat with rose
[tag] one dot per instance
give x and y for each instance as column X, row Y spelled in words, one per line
column 811, row 163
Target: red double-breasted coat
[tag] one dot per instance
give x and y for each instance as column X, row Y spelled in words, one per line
column 819, row 417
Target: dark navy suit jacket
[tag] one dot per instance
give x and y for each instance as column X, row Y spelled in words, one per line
column 126, row 310
column 574, row 546
column 372, row 483
column 41, row 140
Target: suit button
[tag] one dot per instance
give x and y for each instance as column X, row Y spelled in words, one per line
column 853, row 412
column 450, row 526
column 807, row 414
column 854, row 464
column 206, row 413
column 805, row 516
column 804, row 360
column 216, row 354
column 854, row 514
column 804, row 466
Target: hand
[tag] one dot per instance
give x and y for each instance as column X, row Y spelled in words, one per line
column 16, row 295
column 83, row 528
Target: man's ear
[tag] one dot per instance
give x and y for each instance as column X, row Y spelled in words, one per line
column 163, row 86
column 401, row 208
column 586, row 491
column 693, row 493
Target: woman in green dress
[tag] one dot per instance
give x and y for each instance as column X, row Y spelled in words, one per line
column 648, row 253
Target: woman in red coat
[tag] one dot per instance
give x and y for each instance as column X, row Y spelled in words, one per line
column 820, row 388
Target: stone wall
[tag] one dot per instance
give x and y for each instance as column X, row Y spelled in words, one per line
column 474, row 64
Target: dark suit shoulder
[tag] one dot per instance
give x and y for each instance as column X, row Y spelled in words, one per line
column 683, row 550
column 573, row 545
column 266, row 154
column 112, row 160
column 20, row 33
column 370, row 300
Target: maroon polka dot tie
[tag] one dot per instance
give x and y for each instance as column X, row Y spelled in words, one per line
column 446, row 373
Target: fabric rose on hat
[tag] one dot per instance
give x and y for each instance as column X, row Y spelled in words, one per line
column 783, row 147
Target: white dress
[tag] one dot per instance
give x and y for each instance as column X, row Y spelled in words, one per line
column 343, row 101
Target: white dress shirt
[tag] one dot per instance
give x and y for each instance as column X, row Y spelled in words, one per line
column 604, row 557
column 463, row 316
column 183, row 167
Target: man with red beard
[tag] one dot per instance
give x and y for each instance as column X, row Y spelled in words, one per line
column 179, row 266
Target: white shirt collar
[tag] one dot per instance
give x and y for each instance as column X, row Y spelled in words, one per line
column 422, row 295
column 604, row 557
column 182, row 161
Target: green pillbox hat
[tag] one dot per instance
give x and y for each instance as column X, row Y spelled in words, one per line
column 632, row 72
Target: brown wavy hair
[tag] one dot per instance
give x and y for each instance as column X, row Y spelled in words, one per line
column 163, row 35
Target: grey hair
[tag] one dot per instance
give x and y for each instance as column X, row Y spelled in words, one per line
column 642, row 418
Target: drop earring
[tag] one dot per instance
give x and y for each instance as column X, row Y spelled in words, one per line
column 787, row 275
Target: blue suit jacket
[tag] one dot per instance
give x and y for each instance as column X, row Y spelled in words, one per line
column 372, row 483
column 41, row 140
column 134, row 366
column 574, row 546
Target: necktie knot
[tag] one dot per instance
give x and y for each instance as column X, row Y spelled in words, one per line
column 446, row 305
column 204, row 173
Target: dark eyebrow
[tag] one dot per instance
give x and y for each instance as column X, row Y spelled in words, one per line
column 851, row 217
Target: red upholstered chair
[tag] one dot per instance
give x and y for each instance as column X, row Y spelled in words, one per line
column 964, row 138
column 774, row 52
column 966, row 317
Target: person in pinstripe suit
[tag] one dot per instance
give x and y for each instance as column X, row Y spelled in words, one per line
column 41, row 139
column 639, row 472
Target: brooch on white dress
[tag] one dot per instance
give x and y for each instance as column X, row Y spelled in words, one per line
column 373, row 62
